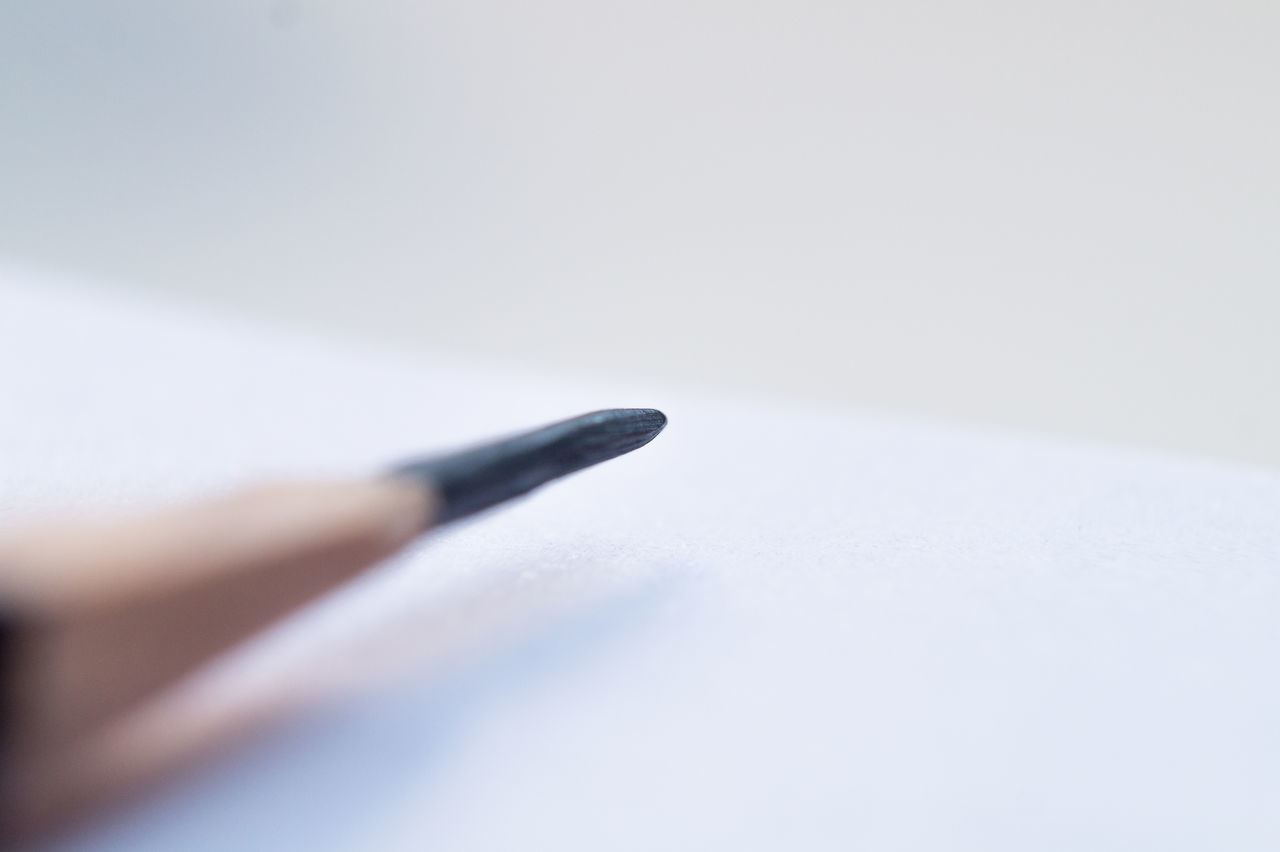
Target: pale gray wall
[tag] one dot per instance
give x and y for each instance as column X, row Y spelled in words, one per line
column 1055, row 215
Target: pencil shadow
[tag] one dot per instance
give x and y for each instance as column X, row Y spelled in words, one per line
column 321, row 778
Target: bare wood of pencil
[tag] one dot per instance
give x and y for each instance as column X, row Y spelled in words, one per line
column 99, row 617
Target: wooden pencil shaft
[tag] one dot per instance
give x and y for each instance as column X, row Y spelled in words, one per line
column 106, row 614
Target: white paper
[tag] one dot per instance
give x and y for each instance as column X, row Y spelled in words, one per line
column 771, row 628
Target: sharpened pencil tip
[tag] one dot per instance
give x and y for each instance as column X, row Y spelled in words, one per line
column 472, row 480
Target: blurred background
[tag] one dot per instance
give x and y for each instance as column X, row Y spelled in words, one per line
column 1059, row 216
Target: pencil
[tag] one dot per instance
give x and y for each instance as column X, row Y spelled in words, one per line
column 95, row 618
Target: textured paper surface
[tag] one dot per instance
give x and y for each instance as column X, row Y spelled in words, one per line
column 771, row 628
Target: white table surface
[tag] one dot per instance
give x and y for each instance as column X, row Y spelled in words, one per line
column 772, row 628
